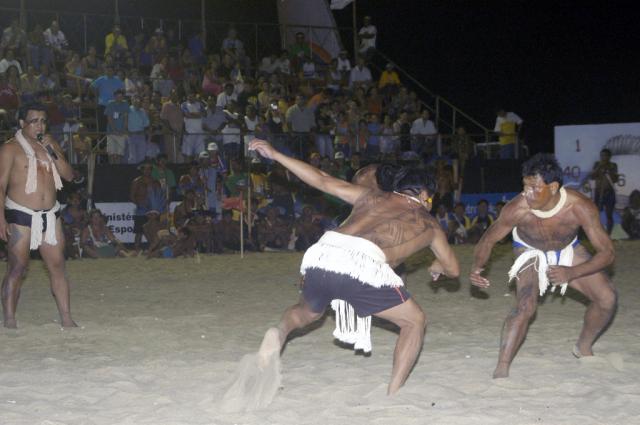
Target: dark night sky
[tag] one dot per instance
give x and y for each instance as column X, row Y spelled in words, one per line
column 551, row 63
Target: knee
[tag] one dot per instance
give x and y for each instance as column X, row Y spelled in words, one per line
column 524, row 310
column 608, row 300
column 17, row 270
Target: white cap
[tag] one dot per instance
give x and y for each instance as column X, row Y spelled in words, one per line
column 204, row 154
column 338, row 155
column 213, row 146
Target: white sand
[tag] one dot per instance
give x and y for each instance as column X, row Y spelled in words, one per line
column 160, row 341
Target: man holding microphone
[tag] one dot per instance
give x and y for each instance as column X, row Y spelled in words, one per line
column 31, row 167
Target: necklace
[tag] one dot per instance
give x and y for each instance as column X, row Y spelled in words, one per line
column 553, row 211
column 411, row 198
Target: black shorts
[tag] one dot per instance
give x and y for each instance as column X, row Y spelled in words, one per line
column 23, row 219
column 321, row 286
column 138, row 222
column 607, row 199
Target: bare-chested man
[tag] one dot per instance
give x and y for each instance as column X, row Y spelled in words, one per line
column 139, row 195
column 544, row 222
column 351, row 267
column 31, row 167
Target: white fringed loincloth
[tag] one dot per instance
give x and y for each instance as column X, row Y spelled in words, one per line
column 360, row 259
column 542, row 262
column 37, row 223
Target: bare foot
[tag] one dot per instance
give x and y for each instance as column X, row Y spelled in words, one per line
column 502, row 371
column 578, row 353
column 10, row 324
column 68, row 323
column 271, row 345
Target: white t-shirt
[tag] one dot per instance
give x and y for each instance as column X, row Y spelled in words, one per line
column 368, row 43
column 344, row 64
column 223, row 99
column 509, row 117
column 251, row 127
column 423, row 128
column 192, row 125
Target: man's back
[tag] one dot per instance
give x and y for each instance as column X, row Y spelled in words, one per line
column 397, row 224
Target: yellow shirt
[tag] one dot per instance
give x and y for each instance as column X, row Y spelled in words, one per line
column 110, row 40
column 388, row 78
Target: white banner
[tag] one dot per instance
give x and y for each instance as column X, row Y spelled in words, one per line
column 578, row 147
column 120, row 218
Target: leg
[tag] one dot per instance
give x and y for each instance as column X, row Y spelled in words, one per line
column 517, row 322
column 53, row 257
column 412, row 322
column 602, row 294
column 18, row 259
column 295, row 317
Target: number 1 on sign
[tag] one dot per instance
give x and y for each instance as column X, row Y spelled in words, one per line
column 577, row 145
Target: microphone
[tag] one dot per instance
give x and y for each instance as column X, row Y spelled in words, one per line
column 49, row 148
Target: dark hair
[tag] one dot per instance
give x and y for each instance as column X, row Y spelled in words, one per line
column 483, row 201
column 607, row 151
column 31, row 106
column 545, row 165
column 404, row 179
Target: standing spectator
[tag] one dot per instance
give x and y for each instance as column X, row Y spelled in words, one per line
column 374, row 130
column 139, row 195
column 231, row 45
column 507, row 126
column 105, row 87
column 462, row 148
column 389, row 82
column 423, row 134
column 193, row 140
column 631, row 216
column 387, row 137
column 117, row 112
column 360, row 74
column 137, row 125
column 605, row 174
column 196, row 47
column 301, row 122
column 30, row 85
column 298, row 51
column 367, row 35
column 164, row 175
column 115, row 43
column 250, row 124
column 92, row 63
column 133, row 84
column 56, row 42
column 77, row 81
column 212, row 171
column 172, row 119
column 402, row 131
column 231, row 131
column 343, row 64
column 48, row 81
column 14, row 38
column 324, row 126
column 36, row 48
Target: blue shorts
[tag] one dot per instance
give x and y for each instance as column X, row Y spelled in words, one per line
column 321, row 286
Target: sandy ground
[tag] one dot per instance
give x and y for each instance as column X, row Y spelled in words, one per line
column 159, row 342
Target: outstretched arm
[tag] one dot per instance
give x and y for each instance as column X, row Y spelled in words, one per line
column 309, row 174
column 498, row 230
column 446, row 262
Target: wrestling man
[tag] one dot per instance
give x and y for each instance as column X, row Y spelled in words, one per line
column 352, row 267
column 31, row 167
column 544, row 222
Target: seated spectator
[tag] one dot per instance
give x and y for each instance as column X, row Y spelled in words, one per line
column 92, row 63
column 74, row 219
column 48, row 80
column 211, row 83
column 77, row 81
column 115, row 43
column 9, row 102
column 423, row 135
column 192, row 181
column 133, row 83
column 389, row 82
column 308, row 69
column 307, row 229
column 81, row 144
column 272, row 231
column 30, row 85
column 480, row 222
column 460, row 224
column 443, row 218
column 98, row 241
column 193, row 214
column 298, row 51
column 196, row 48
column 360, row 74
column 163, row 174
column 9, row 59
column 631, row 216
column 56, row 42
column 167, row 245
column 343, row 64
column 231, row 133
column 157, row 46
column 116, row 112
